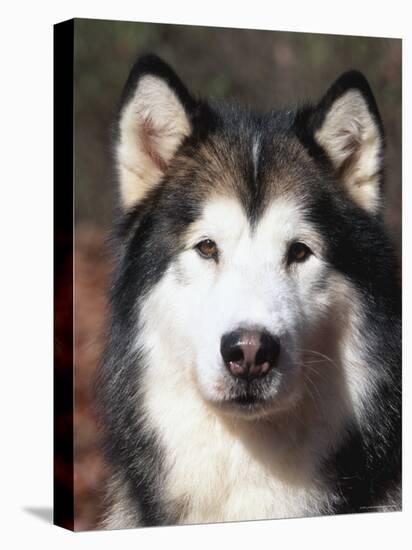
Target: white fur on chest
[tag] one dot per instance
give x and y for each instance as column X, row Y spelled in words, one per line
column 218, row 470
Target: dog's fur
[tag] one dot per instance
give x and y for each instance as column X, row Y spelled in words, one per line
column 320, row 433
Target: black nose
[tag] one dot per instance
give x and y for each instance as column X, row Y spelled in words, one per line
column 249, row 354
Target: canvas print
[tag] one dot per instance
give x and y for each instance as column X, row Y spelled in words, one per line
column 237, row 294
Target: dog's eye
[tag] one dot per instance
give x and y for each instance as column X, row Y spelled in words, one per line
column 298, row 252
column 207, row 249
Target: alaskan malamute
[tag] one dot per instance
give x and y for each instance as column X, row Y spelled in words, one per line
column 253, row 368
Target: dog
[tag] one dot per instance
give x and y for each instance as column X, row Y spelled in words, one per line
column 253, row 362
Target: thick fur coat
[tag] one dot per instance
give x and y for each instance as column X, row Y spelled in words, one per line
column 265, row 225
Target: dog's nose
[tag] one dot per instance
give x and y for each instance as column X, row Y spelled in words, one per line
column 249, row 354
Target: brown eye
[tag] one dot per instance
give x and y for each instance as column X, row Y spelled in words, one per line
column 207, row 249
column 298, row 252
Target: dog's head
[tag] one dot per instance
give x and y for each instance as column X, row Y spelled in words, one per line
column 242, row 235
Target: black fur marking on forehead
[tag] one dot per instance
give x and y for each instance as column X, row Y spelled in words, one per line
column 244, row 134
column 252, row 148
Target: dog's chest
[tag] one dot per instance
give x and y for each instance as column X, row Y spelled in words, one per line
column 236, row 488
column 215, row 474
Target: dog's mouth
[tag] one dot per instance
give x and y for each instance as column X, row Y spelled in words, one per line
column 247, row 402
column 246, row 399
column 246, row 406
column 259, row 398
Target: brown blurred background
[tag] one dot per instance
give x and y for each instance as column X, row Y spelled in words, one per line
column 264, row 68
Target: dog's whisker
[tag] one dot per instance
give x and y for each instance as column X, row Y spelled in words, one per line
column 312, row 370
column 315, row 400
column 325, row 357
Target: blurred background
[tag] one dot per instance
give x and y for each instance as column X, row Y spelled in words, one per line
column 267, row 69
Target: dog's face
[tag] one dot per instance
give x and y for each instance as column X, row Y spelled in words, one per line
column 237, row 225
column 243, row 300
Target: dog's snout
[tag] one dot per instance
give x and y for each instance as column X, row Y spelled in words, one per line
column 249, row 354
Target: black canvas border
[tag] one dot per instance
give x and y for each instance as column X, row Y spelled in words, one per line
column 63, row 171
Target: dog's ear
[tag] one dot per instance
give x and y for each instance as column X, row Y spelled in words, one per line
column 154, row 120
column 348, row 127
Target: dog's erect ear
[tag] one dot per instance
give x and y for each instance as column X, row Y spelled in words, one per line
column 348, row 127
column 154, row 120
